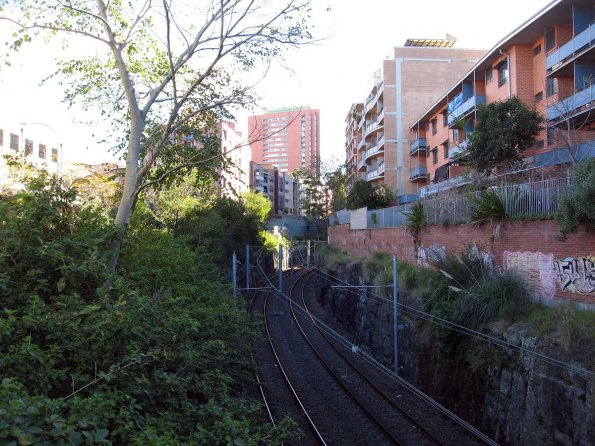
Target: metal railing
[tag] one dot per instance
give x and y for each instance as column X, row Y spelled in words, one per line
column 467, row 106
column 578, row 43
column 527, row 200
column 566, row 107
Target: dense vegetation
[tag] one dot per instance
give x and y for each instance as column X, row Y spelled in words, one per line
column 156, row 353
column 578, row 206
column 364, row 194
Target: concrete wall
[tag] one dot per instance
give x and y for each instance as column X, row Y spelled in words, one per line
column 553, row 269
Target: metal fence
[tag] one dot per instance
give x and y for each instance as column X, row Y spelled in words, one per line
column 527, row 200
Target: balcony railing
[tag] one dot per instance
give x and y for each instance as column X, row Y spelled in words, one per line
column 372, row 151
column 571, row 104
column 582, row 40
column 361, row 164
column 419, row 172
column 381, row 140
column 371, row 126
column 375, row 173
column 361, row 144
column 466, row 107
column 458, row 148
column 417, row 144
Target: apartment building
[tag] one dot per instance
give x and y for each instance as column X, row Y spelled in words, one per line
column 38, row 152
column 286, row 138
column 235, row 180
column 278, row 186
column 353, row 136
column 405, row 86
column 549, row 64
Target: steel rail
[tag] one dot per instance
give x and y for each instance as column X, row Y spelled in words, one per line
column 381, row 392
column 341, row 382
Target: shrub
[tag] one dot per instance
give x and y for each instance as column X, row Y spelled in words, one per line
column 578, row 205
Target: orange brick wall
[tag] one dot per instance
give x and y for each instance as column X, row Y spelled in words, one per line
column 531, row 240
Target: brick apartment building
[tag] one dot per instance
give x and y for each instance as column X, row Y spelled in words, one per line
column 377, row 130
column 235, row 179
column 279, row 187
column 548, row 63
column 287, row 138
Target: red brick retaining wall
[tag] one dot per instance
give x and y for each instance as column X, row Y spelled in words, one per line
column 553, row 268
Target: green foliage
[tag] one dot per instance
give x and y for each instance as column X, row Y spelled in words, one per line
column 376, row 264
column 258, row 206
column 336, row 182
column 578, row 205
column 503, row 131
column 364, row 194
column 416, row 221
column 160, row 358
column 314, row 199
column 487, row 206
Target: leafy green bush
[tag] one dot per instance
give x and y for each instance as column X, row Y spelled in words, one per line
column 578, row 205
column 160, row 358
column 488, row 206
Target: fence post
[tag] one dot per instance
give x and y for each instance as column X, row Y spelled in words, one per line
column 247, row 266
column 233, row 274
column 280, row 267
column 395, row 316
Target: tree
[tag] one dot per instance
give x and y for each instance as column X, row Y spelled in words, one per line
column 159, row 69
column 314, row 196
column 364, row 194
column 335, row 180
column 504, row 130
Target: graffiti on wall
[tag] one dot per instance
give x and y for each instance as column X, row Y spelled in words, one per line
column 576, row 275
column 536, row 269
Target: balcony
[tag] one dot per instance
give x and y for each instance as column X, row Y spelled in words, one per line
column 375, row 173
column 381, row 140
column 373, row 151
column 371, row 126
column 577, row 44
column 465, row 108
column 417, row 145
column 572, row 105
column 458, row 148
column 361, row 145
column 418, row 173
column 361, row 164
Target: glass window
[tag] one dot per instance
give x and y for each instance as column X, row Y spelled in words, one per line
column 551, row 86
column 502, row 73
column 1, row 138
column 434, row 155
column 14, row 141
column 42, row 151
column 537, row 50
column 489, row 75
column 445, row 149
column 445, row 119
column 550, row 40
column 28, row 147
column 55, row 155
column 551, row 136
column 434, row 126
column 539, row 96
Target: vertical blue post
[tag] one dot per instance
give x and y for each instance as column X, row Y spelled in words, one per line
column 247, row 267
column 395, row 318
column 308, row 254
column 290, row 258
column 233, row 274
column 280, row 264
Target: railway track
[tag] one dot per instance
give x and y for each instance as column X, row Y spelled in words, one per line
column 332, row 398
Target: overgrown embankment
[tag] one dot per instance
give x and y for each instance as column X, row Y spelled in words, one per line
column 157, row 353
column 516, row 397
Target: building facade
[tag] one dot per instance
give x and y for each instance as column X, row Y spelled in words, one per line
column 287, row 138
column 39, row 153
column 549, row 64
column 407, row 84
column 235, row 179
column 279, row 187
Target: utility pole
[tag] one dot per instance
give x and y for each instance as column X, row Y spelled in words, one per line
column 247, row 267
column 233, row 274
column 280, row 265
column 395, row 318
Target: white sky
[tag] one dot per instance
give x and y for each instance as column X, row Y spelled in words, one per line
column 329, row 75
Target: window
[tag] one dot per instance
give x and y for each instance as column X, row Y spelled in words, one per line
column 28, row 147
column 42, row 151
column 14, row 142
column 550, row 40
column 537, row 50
column 540, row 144
column 434, row 126
column 1, row 138
column 551, row 86
column 551, row 136
column 434, row 155
column 502, row 73
column 539, row 96
column 456, row 135
column 489, row 75
column 444, row 118
column 445, row 145
column 55, row 155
